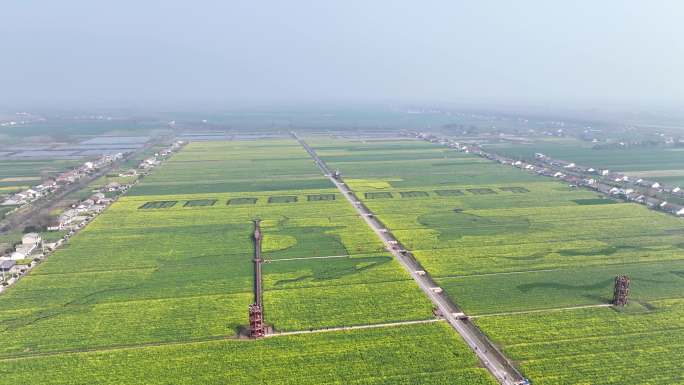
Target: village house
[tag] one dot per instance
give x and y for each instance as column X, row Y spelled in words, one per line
column 149, row 162
column 17, row 255
column 97, row 197
column 113, row 186
column 65, row 219
column 6, row 266
column 29, row 243
column 129, row 173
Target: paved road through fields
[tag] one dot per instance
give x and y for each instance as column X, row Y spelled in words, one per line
column 488, row 354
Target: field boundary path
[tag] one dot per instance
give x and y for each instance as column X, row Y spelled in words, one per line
column 490, row 357
column 344, row 328
column 549, row 310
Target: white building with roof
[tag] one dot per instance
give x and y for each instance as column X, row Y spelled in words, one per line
column 31, row 239
column 17, row 255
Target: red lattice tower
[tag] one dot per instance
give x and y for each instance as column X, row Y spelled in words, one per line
column 256, row 321
column 621, row 290
column 256, row 313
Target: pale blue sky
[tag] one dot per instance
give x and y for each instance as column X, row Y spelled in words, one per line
column 220, row 52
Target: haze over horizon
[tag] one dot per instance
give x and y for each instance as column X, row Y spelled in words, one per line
column 80, row 53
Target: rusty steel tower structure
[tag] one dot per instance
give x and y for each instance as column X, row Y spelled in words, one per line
column 256, row 314
column 621, row 290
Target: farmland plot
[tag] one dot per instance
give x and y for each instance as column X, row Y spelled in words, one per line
column 21, row 173
column 599, row 346
column 239, row 166
column 514, row 242
column 427, row 354
column 182, row 277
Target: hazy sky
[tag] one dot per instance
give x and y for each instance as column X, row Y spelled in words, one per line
column 173, row 52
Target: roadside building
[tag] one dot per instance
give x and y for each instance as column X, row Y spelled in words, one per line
column 26, row 249
column 17, row 255
column 129, row 173
column 653, row 202
column 6, row 266
column 31, row 239
column 97, row 197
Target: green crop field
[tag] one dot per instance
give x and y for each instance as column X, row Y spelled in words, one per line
column 242, row 201
column 160, row 283
column 210, row 167
column 158, row 205
column 428, row 354
column 200, row 202
column 640, row 345
column 282, row 199
column 511, row 248
column 167, row 271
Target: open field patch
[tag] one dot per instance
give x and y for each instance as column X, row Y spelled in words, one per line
column 558, row 288
column 320, row 197
column 20, row 179
column 413, row 194
column 431, row 354
column 158, row 205
column 242, row 201
column 282, row 199
column 481, row 191
column 594, row 201
column 657, row 173
column 449, row 193
column 570, row 347
column 548, row 248
column 200, row 202
column 365, row 184
column 517, row 190
column 179, row 278
column 378, row 195
column 455, row 224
